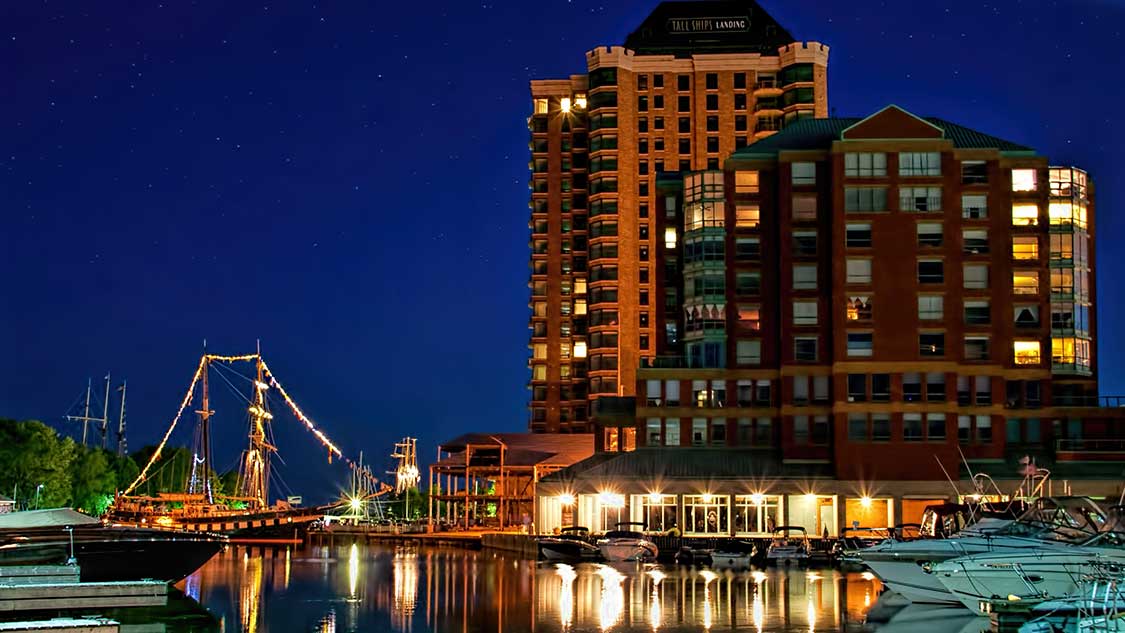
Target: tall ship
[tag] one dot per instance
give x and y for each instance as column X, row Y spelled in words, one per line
column 247, row 512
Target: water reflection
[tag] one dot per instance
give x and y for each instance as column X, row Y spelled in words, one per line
column 407, row 589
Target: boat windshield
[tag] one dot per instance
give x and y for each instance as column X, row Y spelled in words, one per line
column 1062, row 519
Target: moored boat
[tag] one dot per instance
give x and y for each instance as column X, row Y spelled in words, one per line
column 103, row 552
column 572, row 543
column 733, row 555
column 790, row 544
column 627, row 545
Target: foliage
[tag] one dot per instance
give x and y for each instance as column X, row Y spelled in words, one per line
column 92, row 480
column 33, row 458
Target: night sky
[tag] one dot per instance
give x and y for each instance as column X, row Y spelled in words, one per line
column 348, row 183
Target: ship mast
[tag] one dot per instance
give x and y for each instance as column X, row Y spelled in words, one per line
column 105, row 415
column 204, row 439
column 122, row 446
column 256, row 463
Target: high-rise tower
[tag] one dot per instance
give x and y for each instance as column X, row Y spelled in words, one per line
column 695, row 82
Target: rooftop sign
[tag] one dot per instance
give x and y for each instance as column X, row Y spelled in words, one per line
column 687, row 26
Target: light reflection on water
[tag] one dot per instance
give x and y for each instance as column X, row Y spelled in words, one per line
column 432, row 590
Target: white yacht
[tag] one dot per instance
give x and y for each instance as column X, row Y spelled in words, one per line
column 1056, row 522
column 1033, row 576
column 627, row 545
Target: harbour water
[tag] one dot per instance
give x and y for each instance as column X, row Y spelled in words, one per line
column 436, row 590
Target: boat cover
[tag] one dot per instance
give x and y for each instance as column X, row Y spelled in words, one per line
column 55, row 517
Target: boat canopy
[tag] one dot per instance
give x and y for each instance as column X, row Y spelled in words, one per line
column 55, row 517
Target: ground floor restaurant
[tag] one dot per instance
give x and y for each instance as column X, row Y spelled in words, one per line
column 823, row 510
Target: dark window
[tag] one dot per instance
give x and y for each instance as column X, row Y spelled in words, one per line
column 880, row 387
column 857, row 387
column 932, row 344
column 713, row 164
column 658, row 144
column 683, row 82
column 974, row 172
column 739, row 102
column 931, row 272
column 603, row 77
column 712, row 81
column 857, row 427
column 858, row 235
column 712, row 102
column 642, row 103
column 658, row 102
column 912, row 427
column 644, row 275
column 658, row 123
column 642, row 82
column 880, row 427
column 658, row 80
column 912, row 387
column 935, row 387
column 685, row 125
column 642, row 146
column 935, row 423
column 642, row 168
column 740, row 123
column 685, row 165
column 642, row 124
column 683, row 104
column 685, row 146
column 739, row 81
column 804, row 349
column 712, row 144
column 712, row 123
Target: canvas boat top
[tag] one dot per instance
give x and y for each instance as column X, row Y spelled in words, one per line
column 55, row 517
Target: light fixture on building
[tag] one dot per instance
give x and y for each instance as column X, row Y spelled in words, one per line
column 810, row 497
column 611, row 499
column 566, row 499
column 655, row 497
column 865, row 501
column 707, row 497
column 757, row 498
column 564, row 103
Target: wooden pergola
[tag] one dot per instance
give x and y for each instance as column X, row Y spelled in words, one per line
column 488, row 480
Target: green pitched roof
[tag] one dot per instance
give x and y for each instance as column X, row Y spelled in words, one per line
column 814, row 134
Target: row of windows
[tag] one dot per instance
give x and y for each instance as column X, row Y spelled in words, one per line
column 791, row 74
column 910, row 164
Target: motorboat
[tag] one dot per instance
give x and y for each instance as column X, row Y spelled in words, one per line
column 733, row 555
column 103, row 552
column 623, row 544
column 790, row 544
column 1036, row 575
column 572, row 543
column 852, row 540
column 689, row 556
column 905, row 566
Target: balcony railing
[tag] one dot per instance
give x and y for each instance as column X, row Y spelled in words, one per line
column 1090, row 446
column 1061, row 400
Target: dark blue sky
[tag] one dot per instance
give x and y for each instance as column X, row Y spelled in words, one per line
column 347, row 182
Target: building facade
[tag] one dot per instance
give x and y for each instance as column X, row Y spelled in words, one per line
column 857, row 312
column 693, row 84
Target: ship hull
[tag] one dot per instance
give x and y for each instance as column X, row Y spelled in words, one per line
column 112, row 553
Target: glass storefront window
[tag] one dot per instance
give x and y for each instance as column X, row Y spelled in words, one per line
column 868, row 512
column 756, row 513
column 815, row 513
column 658, row 512
column 706, row 514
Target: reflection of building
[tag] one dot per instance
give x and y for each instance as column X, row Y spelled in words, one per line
column 692, row 84
column 490, row 479
column 857, row 303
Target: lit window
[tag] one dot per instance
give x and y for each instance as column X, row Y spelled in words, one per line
column 747, row 216
column 804, row 277
column 580, row 349
column 564, row 104
column 1025, row 282
column 865, row 165
column 1025, row 214
column 859, row 308
column 930, row 307
column 1026, row 352
column 540, row 106
column 1023, row 180
column 804, row 173
column 539, row 351
column 976, row 276
column 539, row 372
column 859, row 271
column 749, row 316
column 1025, row 247
column 804, row 206
column 580, row 101
column 670, row 237
column 860, row 344
column 746, row 182
column 919, row 164
column 804, row 313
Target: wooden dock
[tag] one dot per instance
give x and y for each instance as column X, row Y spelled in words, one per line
column 63, row 625
column 83, row 595
column 345, row 534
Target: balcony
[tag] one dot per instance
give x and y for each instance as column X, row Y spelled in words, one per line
column 766, row 88
column 1107, row 402
column 1090, row 446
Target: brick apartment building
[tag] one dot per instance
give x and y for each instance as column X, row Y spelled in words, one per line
column 695, row 82
column 851, row 310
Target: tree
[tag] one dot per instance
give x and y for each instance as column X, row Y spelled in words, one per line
column 93, row 481
column 34, row 459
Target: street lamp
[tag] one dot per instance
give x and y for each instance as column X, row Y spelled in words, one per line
column 37, row 489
